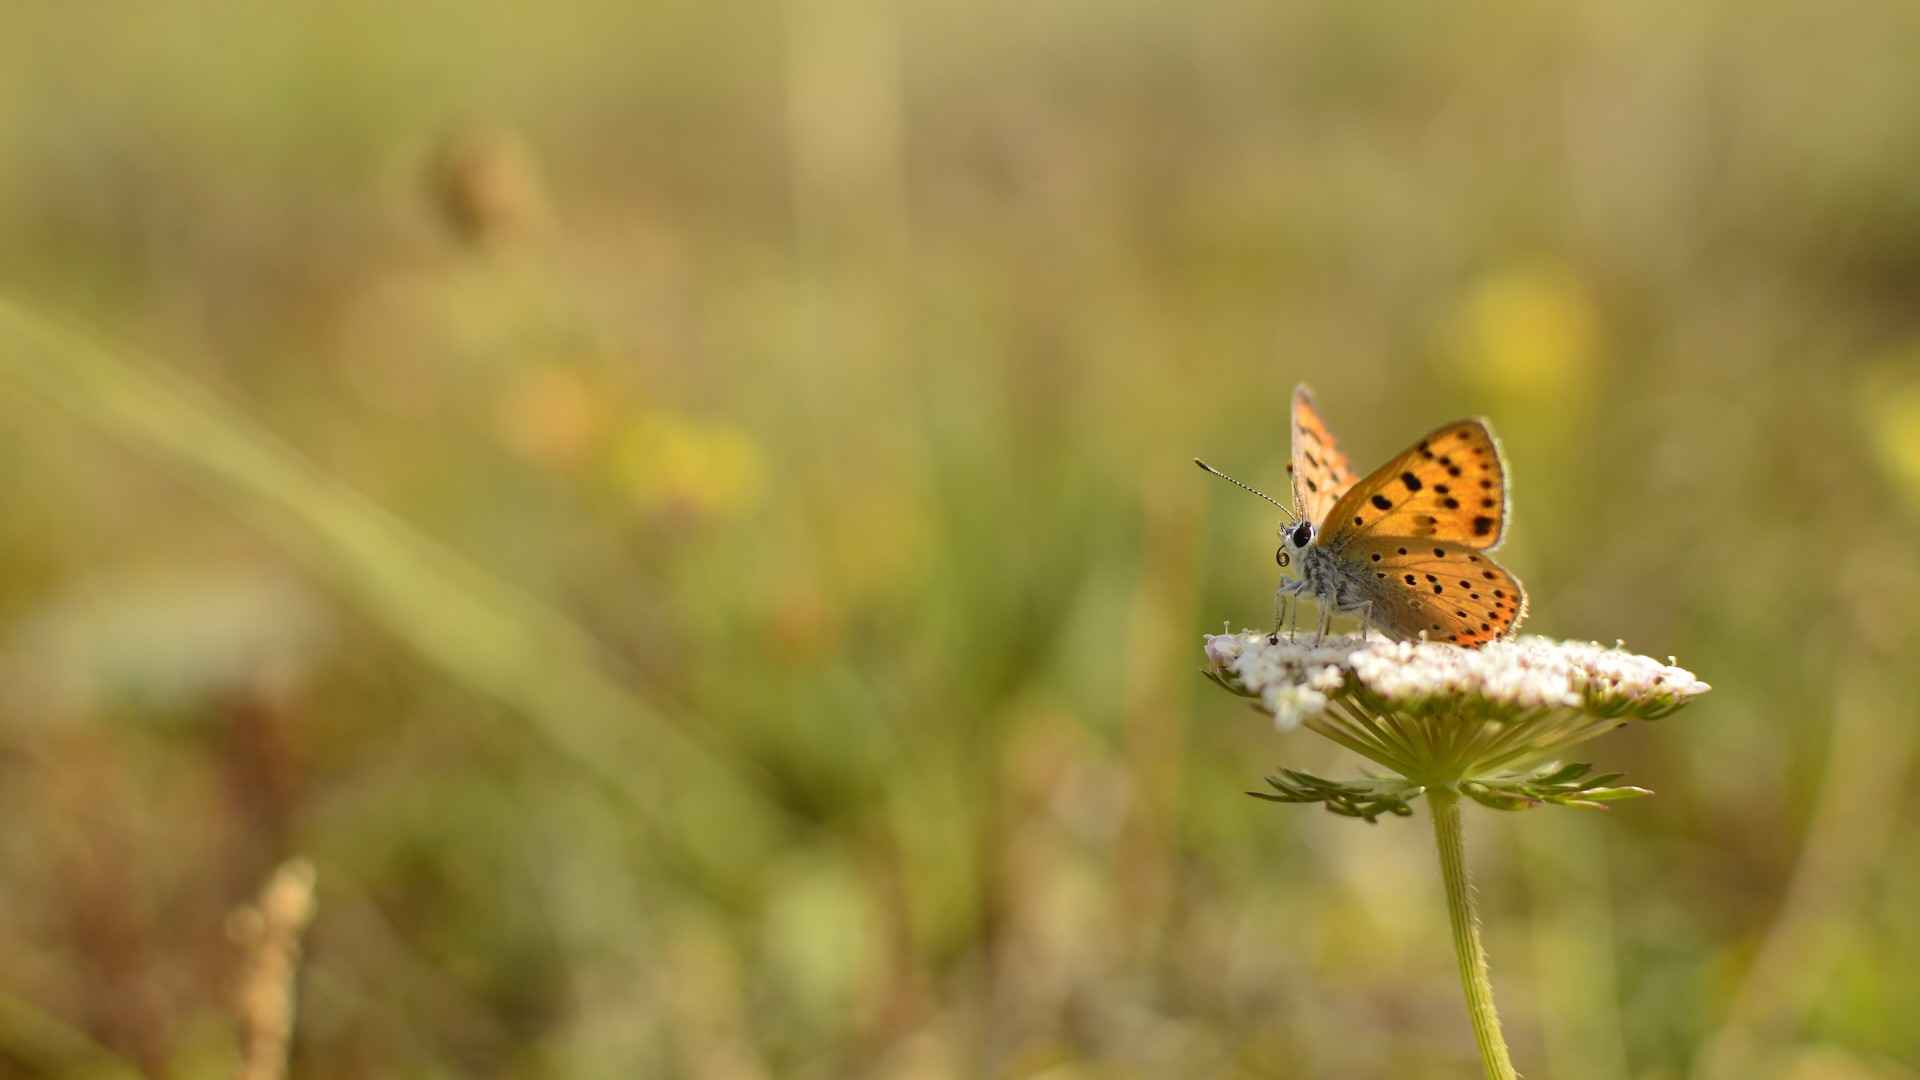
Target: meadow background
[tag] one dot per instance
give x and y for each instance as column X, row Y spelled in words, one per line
column 682, row 512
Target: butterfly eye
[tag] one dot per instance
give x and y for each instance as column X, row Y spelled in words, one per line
column 1282, row 557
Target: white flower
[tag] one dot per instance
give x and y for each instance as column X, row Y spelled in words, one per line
column 1446, row 711
column 1526, row 674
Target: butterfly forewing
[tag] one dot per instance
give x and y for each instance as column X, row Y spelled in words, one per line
column 1321, row 473
column 1448, row 591
column 1450, row 486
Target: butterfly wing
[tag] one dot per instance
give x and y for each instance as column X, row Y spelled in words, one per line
column 1321, row 473
column 1449, row 591
column 1450, row 486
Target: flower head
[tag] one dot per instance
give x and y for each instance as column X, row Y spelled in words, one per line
column 1464, row 718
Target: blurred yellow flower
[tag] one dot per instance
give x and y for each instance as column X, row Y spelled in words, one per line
column 670, row 462
column 1891, row 403
column 1528, row 332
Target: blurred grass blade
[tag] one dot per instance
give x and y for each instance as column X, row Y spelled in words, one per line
column 476, row 628
column 50, row 1047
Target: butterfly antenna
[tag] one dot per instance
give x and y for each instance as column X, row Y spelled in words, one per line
column 1284, row 508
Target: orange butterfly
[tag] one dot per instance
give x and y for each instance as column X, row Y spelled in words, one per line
column 1402, row 547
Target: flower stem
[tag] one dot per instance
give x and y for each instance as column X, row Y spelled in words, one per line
column 1474, row 981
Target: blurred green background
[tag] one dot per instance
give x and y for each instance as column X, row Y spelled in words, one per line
column 683, row 512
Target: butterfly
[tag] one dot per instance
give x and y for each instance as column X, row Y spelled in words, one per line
column 1403, row 547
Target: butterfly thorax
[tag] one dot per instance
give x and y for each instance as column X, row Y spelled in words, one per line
column 1303, row 545
column 1319, row 564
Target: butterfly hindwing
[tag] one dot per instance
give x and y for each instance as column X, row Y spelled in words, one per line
column 1448, row 591
column 1321, row 472
column 1450, row 486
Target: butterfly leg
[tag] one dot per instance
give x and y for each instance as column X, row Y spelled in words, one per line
column 1286, row 600
column 1345, row 605
column 1365, row 607
column 1326, row 621
column 1293, row 615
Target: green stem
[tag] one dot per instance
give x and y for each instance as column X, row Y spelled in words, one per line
column 1474, row 980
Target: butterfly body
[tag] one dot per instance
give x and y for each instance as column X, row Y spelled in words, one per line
column 1323, row 577
column 1405, row 547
